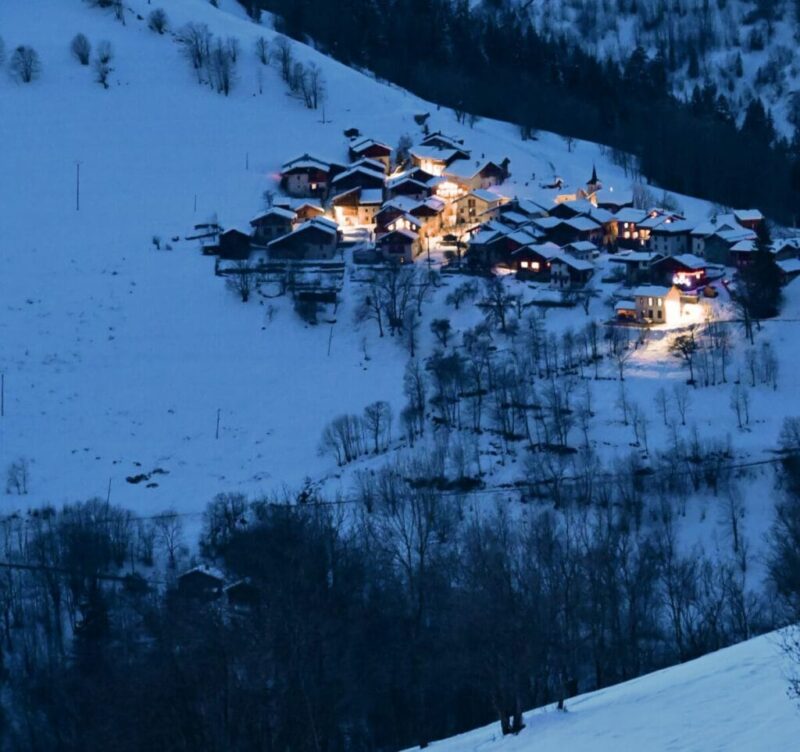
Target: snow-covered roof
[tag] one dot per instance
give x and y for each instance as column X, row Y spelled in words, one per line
column 356, row 169
column 625, row 305
column 529, row 207
column 305, row 162
column 579, row 205
column 514, row 217
column 366, row 143
column 370, row 196
column 485, row 195
column 403, row 203
column 484, row 236
column 581, row 223
column 402, row 179
column 743, row 246
column 789, row 266
column 690, row 261
column 629, row 214
column 574, row 263
column 371, row 164
column 206, row 570
column 748, row 215
column 670, row 227
column 319, row 223
column 635, row 257
column 601, row 215
column 651, row 291
column 434, row 153
column 733, row 236
column 582, row 245
column 275, row 211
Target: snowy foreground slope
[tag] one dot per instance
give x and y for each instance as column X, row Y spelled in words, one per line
column 733, row 700
column 117, row 356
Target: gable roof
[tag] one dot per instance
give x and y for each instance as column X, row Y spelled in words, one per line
column 651, row 291
column 306, row 162
column 629, row 214
column 574, row 263
column 317, row 223
column 366, row 143
column 275, row 211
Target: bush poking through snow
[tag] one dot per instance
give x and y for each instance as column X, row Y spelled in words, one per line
column 262, row 51
column 17, row 477
column 102, row 63
column 81, row 48
column 157, row 21
column 25, row 64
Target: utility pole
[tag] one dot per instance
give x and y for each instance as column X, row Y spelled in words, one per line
column 78, row 186
column 2, row 394
column 216, row 435
column 247, row 161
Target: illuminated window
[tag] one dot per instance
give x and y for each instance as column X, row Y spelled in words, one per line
column 535, row 266
column 649, row 301
column 659, row 303
column 523, row 264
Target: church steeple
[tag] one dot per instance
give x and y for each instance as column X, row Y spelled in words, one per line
column 593, row 184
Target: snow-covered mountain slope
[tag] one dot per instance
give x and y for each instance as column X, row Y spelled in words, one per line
column 745, row 52
column 733, row 700
column 116, row 356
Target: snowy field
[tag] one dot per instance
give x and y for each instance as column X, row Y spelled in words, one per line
column 733, row 700
column 117, row 357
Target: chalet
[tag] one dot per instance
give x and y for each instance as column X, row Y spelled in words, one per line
column 658, row 305
column 686, row 271
column 399, row 246
column 307, row 176
column 786, row 248
column 201, row 583
column 431, row 214
column 401, row 221
column 564, row 231
column 481, row 246
column 473, row 175
column 404, row 185
column 304, row 209
column 628, row 221
column 232, row 244
column 749, row 218
column 714, row 239
column 533, row 261
column 625, row 310
column 741, row 252
column 272, row 224
column 369, row 148
column 315, row 239
column 358, row 176
column 670, row 237
column 434, row 160
column 357, row 207
column 569, row 273
column 581, row 249
column 637, row 265
column 476, row 206
column 790, row 269
column 438, row 140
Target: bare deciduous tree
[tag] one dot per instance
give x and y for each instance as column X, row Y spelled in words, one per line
column 25, row 64
column 81, row 48
column 158, row 21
